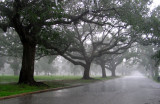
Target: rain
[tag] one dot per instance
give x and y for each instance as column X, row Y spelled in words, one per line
column 79, row 52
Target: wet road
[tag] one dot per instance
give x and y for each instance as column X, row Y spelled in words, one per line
column 126, row 90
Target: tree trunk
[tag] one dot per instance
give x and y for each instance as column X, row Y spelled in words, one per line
column 156, row 72
column 86, row 74
column 103, row 71
column 27, row 70
column 113, row 71
column 152, row 73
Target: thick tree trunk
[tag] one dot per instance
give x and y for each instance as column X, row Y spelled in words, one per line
column 27, row 70
column 103, row 71
column 113, row 71
column 86, row 74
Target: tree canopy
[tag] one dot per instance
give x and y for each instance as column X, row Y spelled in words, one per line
column 41, row 24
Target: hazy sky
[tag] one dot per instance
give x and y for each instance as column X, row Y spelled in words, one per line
column 155, row 3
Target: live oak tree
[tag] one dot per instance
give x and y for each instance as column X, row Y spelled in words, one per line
column 30, row 19
column 102, row 61
column 88, row 44
column 113, row 15
column 107, row 62
column 155, row 26
column 148, row 60
column 144, row 55
column 36, row 22
column 111, row 61
column 118, row 59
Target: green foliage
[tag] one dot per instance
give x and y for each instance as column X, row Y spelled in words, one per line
column 156, row 57
column 155, row 25
column 10, row 44
column 37, row 19
column 131, row 12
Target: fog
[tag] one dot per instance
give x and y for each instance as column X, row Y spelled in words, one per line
column 61, row 67
column 117, row 41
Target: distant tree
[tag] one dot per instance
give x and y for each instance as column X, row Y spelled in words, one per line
column 14, row 63
column 102, row 61
column 2, row 62
column 88, row 44
column 145, row 57
column 147, row 60
column 116, row 60
column 111, row 61
column 45, row 65
column 155, row 31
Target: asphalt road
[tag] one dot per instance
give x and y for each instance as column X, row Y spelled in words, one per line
column 126, row 90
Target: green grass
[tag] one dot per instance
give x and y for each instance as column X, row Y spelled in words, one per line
column 10, row 79
column 155, row 79
column 13, row 89
column 57, row 77
column 52, row 81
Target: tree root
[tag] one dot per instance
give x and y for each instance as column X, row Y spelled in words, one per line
column 34, row 83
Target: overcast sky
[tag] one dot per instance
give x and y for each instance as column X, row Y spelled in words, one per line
column 155, row 3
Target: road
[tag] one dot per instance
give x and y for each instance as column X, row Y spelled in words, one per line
column 126, row 90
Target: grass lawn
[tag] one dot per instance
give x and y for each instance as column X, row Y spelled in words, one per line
column 53, row 82
column 10, row 79
column 13, row 89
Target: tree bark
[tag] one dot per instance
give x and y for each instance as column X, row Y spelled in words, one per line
column 103, row 71
column 113, row 71
column 86, row 74
column 27, row 70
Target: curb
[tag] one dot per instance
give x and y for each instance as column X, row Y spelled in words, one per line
column 40, row 91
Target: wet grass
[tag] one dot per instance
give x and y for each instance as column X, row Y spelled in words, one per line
column 13, row 89
column 57, row 77
column 156, row 79
column 52, row 81
column 10, row 79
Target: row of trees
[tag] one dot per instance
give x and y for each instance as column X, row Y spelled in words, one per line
column 78, row 30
